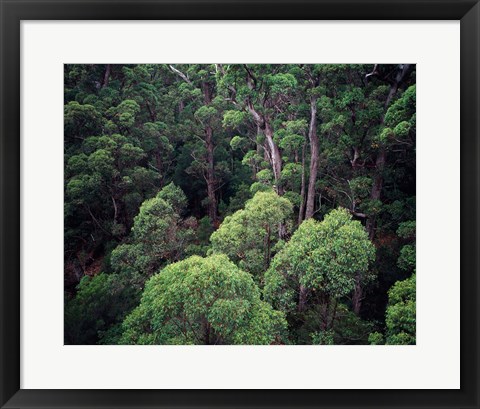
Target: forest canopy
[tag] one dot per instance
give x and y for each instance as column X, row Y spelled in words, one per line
column 240, row 204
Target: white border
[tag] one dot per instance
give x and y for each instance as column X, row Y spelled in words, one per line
column 432, row 363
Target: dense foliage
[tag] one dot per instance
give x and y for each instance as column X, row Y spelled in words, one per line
column 202, row 301
column 240, row 204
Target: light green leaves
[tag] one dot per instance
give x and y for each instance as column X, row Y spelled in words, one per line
column 174, row 196
column 203, row 301
column 403, row 108
column 238, row 142
column 322, row 256
column 233, row 119
column 247, row 237
column 401, row 312
column 158, row 235
column 281, row 83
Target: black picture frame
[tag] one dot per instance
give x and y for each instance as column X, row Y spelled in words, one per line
column 13, row 11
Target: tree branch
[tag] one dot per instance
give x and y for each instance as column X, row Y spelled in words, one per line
column 180, row 74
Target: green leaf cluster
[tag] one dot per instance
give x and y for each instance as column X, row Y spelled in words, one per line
column 203, row 301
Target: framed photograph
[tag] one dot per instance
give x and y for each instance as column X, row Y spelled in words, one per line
column 226, row 204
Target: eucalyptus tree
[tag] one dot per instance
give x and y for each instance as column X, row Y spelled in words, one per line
column 203, row 301
column 400, row 316
column 202, row 114
column 159, row 235
column 320, row 265
column 312, row 76
column 152, row 87
column 104, row 185
column 407, row 258
column 249, row 237
column 401, row 312
column 396, row 77
column 259, row 151
column 356, row 133
column 95, row 313
column 262, row 94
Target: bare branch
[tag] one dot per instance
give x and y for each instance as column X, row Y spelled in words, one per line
column 180, row 74
column 374, row 71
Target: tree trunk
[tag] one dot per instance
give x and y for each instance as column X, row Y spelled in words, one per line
column 153, row 115
column 212, row 200
column 334, row 314
column 357, row 296
column 377, row 186
column 371, row 223
column 273, row 150
column 401, row 74
column 207, row 333
column 115, row 208
column 276, row 158
column 276, row 161
column 314, row 149
column 267, row 247
column 376, row 191
column 261, row 151
column 106, row 76
column 210, row 173
column 326, row 310
column 301, row 211
column 302, row 299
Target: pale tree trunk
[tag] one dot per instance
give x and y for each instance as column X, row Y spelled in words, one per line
column 301, row 211
column 314, row 153
column 276, row 161
column 276, row 158
column 115, row 208
column 261, row 150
